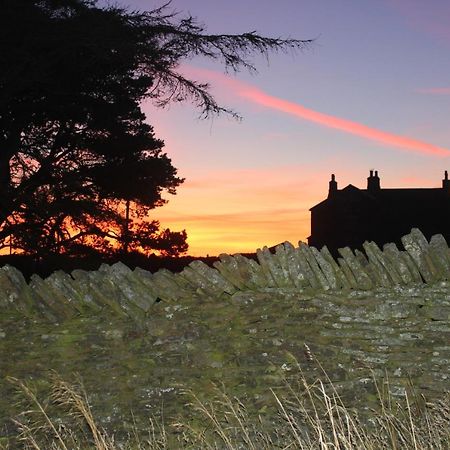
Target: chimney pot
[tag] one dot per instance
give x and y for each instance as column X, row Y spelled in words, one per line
column 332, row 186
column 373, row 182
column 446, row 183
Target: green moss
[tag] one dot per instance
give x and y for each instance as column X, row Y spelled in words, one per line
column 251, row 347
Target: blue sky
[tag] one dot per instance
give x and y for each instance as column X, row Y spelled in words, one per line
column 379, row 64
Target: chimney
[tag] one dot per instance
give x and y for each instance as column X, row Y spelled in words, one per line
column 373, row 182
column 446, row 183
column 332, row 186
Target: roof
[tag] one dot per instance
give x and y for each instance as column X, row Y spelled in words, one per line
column 402, row 196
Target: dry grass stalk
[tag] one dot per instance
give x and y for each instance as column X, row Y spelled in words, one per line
column 310, row 416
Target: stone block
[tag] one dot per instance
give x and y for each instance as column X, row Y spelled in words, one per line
column 106, row 294
column 118, row 268
column 393, row 255
column 368, row 267
column 80, row 275
column 363, row 280
column 326, row 268
column 217, row 282
column 283, row 262
column 390, row 269
column 50, row 303
column 129, row 288
column 310, row 258
column 251, row 272
column 184, row 286
column 14, row 291
column 417, row 246
column 351, row 280
column 305, row 268
column 295, row 271
column 65, row 288
column 412, row 267
column 167, row 288
column 146, row 278
column 201, row 284
column 229, row 268
column 361, row 258
column 270, row 268
column 343, row 283
column 372, row 251
column 440, row 254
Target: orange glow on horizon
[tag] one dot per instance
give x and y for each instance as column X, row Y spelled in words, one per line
column 214, row 235
column 240, row 210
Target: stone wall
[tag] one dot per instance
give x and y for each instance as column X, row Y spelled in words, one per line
column 118, row 290
column 134, row 334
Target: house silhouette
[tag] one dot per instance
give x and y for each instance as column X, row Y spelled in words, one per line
column 350, row 216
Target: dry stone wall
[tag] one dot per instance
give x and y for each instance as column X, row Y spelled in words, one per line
column 374, row 311
column 120, row 291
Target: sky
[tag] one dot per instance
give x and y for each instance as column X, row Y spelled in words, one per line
column 371, row 92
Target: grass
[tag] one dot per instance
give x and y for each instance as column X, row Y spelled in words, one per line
column 309, row 415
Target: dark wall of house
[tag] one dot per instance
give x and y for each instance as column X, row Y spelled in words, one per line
column 343, row 222
column 351, row 218
column 430, row 217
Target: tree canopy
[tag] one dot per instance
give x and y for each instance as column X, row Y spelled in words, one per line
column 80, row 167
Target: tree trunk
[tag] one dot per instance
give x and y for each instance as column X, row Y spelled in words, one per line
column 126, row 231
column 8, row 148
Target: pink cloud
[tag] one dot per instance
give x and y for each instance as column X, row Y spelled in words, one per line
column 259, row 97
column 415, row 181
column 431, row 18
column 344, row 125
column 436, row 91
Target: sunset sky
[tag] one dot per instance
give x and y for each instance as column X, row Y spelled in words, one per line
column 373, row 92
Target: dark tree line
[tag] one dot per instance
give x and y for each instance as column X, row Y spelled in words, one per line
column 80, row 168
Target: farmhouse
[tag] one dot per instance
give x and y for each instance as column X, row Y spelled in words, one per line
column 350, row 216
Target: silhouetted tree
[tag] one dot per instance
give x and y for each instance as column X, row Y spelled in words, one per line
column 78, row 164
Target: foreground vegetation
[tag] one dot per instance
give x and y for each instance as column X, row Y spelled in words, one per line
column 308, row 415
